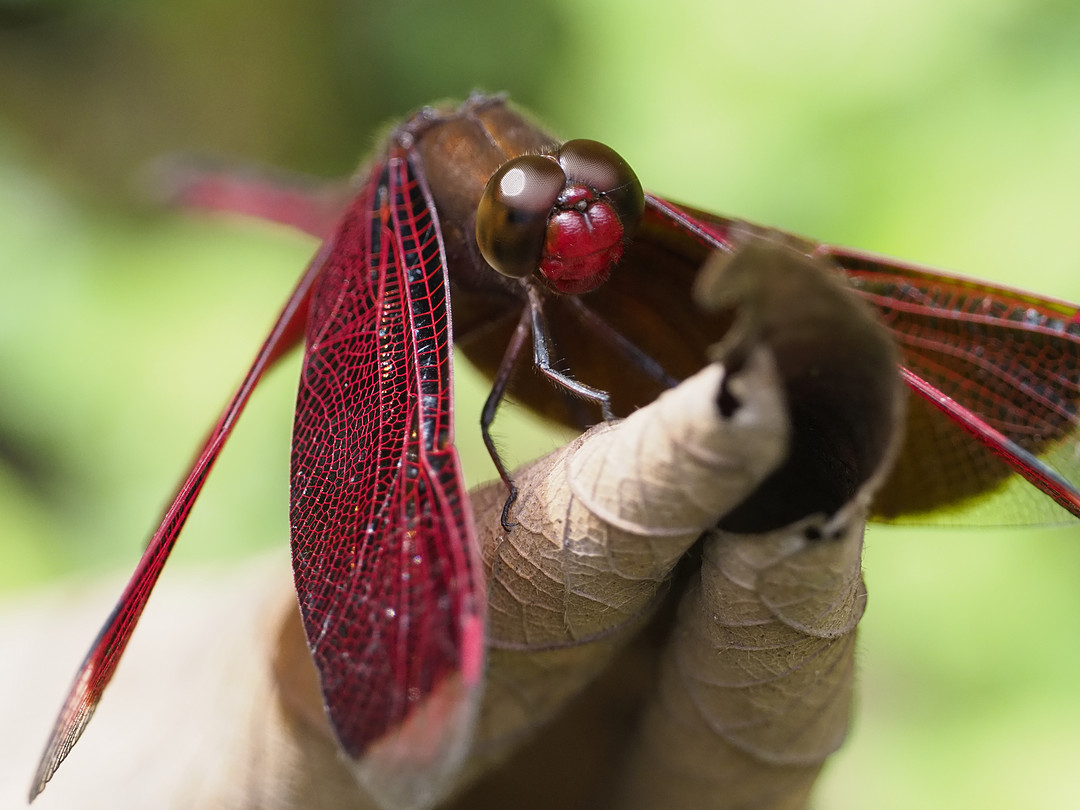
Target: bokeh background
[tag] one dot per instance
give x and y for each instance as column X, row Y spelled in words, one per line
column 942, row 132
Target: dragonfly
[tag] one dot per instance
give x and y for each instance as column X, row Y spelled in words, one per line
column 474, row 229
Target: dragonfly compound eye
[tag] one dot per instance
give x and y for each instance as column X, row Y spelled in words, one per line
column 600, row 168
column 512, row 218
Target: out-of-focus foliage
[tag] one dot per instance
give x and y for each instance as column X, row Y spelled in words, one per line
column 944, row 133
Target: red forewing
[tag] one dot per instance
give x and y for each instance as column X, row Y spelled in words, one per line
column 384, row 556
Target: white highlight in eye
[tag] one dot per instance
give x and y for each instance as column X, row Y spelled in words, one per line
column 512, row 183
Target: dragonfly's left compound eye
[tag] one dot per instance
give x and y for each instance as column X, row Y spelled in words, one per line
column 566, row 215
column 512, row 219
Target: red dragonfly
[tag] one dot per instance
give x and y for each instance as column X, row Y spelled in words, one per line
column 557, row 245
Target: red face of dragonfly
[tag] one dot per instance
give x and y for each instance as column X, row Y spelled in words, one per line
column 384, row 558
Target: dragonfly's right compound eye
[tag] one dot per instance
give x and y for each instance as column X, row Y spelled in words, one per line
column 512, row 219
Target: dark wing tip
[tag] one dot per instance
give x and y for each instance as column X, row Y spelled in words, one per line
column 70, row 724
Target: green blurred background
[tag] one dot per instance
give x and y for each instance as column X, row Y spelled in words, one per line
column 947, row 133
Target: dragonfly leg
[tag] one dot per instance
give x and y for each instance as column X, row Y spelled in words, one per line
column 531, row 322
column 491, row 405
column 542, row 359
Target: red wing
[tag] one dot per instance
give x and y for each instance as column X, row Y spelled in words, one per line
column 100, row 663
column 997, row 372
column 384, row 555
column 1009, row 358
column 307, row 204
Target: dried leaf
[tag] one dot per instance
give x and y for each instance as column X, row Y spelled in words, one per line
column 600, row 526
column 756, row 682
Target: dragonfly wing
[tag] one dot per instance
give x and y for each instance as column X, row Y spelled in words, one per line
column 384, row 556
column 104, row 655
column 1008, row 360
column 998, row 374
column 306, row 204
